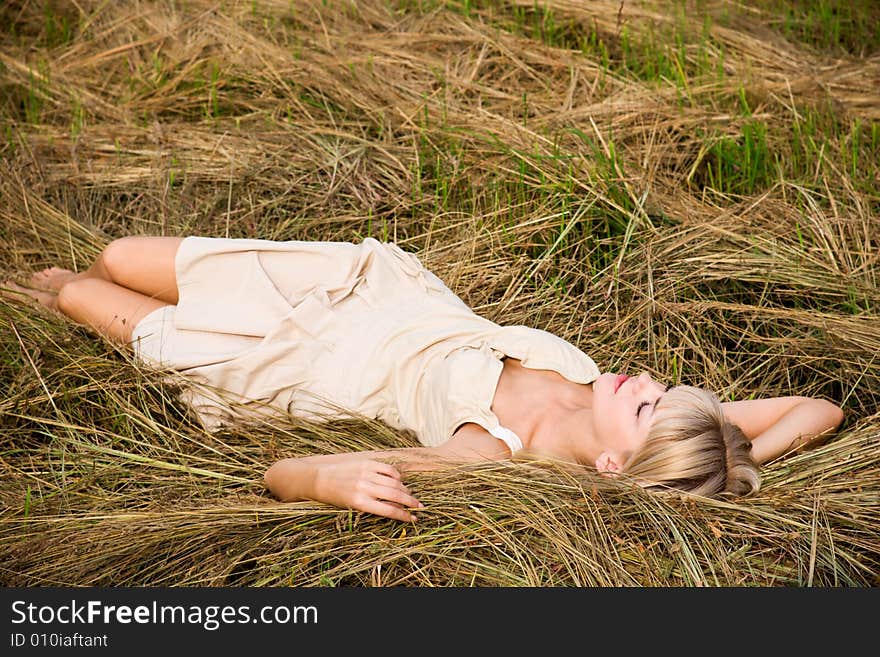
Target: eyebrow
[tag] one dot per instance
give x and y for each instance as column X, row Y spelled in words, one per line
column 654, row 405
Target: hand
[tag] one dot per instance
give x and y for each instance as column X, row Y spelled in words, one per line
column 365, row 485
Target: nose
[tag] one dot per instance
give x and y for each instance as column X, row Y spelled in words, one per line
column 644, row 380
column 647, row 383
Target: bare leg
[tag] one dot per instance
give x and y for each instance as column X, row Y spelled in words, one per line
column 132, row 277
column 105, row 307
column 48, row 299
column 141, row 264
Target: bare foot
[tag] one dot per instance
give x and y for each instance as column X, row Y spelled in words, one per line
column 52, row 278
column 48, row 299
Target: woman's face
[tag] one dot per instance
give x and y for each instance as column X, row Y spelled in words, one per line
column 623, row 409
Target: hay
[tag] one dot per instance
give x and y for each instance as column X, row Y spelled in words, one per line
column 545, row 186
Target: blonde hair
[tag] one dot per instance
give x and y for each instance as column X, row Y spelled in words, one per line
column 692, row 447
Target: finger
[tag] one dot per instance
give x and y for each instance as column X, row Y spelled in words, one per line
column 381, row 480
column 394, row 495
column 387, row 510
column 388, row 470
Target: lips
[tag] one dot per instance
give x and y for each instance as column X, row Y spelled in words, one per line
column 619, row 381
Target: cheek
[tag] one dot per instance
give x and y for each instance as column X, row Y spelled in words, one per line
column 613, row 422
column 613, row 418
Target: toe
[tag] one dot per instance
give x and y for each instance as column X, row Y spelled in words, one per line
column 11, row 285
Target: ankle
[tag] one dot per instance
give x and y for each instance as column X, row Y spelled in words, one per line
column 64, row 282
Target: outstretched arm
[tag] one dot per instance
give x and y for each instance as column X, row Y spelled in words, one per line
column 373, row 481
column 778, row 425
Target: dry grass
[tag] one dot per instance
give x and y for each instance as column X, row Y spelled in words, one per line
column 718, row 226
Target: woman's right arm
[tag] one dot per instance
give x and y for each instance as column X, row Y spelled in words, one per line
column 777, row 425
column 348, row 481
column 373, row 481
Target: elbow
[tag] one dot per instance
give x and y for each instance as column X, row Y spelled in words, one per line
column 831, row 413
column 290, row 480
column 267, row 478
column 270, row 478
column 835, row 414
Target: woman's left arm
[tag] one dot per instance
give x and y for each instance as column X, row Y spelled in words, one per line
column 778, row 425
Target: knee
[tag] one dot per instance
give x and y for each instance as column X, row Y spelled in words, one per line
column 118, row 254
column 73, row 294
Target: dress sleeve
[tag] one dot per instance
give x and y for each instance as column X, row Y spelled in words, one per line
column 541, row 350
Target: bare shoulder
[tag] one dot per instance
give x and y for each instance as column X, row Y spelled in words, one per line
column 472, row 442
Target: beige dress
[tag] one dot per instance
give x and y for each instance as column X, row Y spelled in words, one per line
column 335, row 329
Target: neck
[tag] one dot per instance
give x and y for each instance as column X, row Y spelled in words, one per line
column 552, row 415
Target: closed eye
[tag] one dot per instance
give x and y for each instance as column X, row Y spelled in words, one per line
column 643, row 404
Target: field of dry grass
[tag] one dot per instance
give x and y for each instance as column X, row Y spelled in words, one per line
column 691, row 188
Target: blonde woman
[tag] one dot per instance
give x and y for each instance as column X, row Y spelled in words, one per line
column 328, row 329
